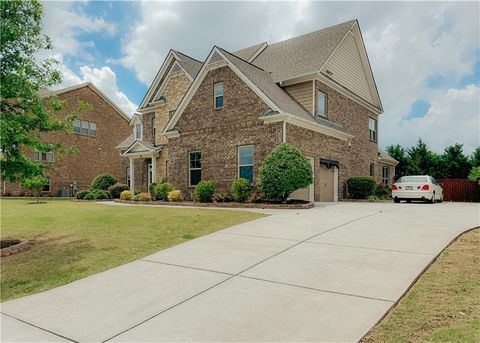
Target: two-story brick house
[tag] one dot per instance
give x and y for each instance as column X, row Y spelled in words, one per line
column 95, row 135
column 218, row 119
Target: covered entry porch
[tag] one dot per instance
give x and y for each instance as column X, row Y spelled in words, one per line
column 142, row 155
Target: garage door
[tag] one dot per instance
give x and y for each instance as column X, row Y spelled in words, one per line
column 306, row 193
column 327, row 183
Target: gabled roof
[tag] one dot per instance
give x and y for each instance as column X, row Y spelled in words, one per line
column 137, row 147
column 302, row 55
column 262, row 84
column 44, row 93
column 190, row 65
column 249, row 54
column 384, row 157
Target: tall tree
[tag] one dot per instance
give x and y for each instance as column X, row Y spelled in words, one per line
column 398, row 153
column 24, row 115
column 453, row 164
column 421, row 160
column 475, row 158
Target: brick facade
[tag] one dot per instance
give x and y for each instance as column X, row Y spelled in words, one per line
column 94, row 154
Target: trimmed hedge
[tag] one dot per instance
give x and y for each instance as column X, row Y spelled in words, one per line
column 99, row 194
column 144, row 197
column 103, row 181
column 116, row 189
column 126, row 195
column 82, row 194
column 175, row 195
column 240, row 190
column 360, row 187
column 161, row 191
column 204, row 191
column 284, row 171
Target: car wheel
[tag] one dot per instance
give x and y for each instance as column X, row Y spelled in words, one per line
column 396, row 200
column 432, row 201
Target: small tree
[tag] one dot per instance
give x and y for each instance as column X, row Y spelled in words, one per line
column 283, row 171
column 103, row 181
column 35, row 184
column 398, row 153
column 475, row 175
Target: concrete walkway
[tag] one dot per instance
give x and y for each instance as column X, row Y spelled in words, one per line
column 325, row 274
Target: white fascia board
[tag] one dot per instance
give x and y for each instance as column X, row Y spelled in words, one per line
column 285, row 117
column 171, row 134
column 258, row 52
column 201, row 75
column 157, row 79
column 134, row 118
column 135, row 143
column 387, row 161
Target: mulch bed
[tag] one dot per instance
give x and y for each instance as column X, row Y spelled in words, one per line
column 294, row 205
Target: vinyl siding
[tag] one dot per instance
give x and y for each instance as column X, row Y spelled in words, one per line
column 348, row 70
column 303, row 94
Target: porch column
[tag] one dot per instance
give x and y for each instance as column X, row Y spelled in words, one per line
column 132, row 175
column 154, row 168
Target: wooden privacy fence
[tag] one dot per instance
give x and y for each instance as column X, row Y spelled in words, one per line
column 460, row 190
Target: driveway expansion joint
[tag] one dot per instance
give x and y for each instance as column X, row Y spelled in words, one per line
column 187, row 267
column 39, row 327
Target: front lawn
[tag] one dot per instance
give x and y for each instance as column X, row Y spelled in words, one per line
column 444, row 304
column 77, row 239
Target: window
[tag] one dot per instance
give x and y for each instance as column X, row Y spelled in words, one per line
column 195, row 167
column 128, row 177
column 372, row 129
column 321, row 104
column 385, row 177
column 46, row 187
column 245, row 162
column 138, row 131
column 85, row 128
column 154, row 129
column 42, row 156
column 372, row 169
column 218, row 95
column 76, row 126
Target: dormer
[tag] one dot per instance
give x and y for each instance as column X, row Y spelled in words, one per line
column 137, row 126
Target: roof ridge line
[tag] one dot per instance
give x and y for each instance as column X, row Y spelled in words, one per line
column 181, row 53
column 241, row 59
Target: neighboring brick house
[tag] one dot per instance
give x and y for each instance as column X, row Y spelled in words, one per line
column 96, row 133
column 217, row 120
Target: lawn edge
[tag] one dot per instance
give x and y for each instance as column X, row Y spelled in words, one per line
column 453, row 240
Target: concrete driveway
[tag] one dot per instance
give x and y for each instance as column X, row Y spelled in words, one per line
column 325, row 274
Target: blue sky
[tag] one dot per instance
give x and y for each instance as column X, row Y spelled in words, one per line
column 425, row 56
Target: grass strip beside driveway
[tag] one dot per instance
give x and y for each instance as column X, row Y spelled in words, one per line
column 77, row 239
column 444, row 304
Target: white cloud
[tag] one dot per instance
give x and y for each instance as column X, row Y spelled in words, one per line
column 407, row 44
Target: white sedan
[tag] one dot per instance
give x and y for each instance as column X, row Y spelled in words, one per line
column 417, row 187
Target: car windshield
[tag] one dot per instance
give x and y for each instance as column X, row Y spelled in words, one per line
column 420, row 179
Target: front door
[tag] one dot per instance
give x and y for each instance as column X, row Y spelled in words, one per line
column 327, row 183
column 150, row 175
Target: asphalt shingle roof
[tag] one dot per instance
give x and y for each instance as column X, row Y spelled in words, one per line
column 191, row 65
column 246, row 53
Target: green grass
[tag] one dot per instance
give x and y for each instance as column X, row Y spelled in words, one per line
column 444, row 304
column 77, row 239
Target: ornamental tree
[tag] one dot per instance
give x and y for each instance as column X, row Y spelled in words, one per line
column 284, row 171
column 24, row 115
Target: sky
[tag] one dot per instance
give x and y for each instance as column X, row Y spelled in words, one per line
column 425, row 56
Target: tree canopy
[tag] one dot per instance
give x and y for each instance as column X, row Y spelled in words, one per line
column 24, row 115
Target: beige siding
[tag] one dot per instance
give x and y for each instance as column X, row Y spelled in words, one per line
column 303, row 94
column 348, row 70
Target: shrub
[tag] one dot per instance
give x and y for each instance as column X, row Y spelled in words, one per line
column 283, row 171
column 475, row 175
column 99, row 194
column 89, row 196
column 360, row 187
column 175, row 195
column 126, row 195
column 82, row 194
column 116, row 189
column 151, row 188
column 103, row 181
column 222, row 197
column 382, row 192
column 255, row 195
column 240, row 190
column 135, row 197
column 144, row 196
column 204, row 191
column 161, row 191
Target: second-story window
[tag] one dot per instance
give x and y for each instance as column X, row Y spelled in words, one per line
column 218, row 95
column 154, row 129
column 85, row 128
column 321, row 104
column 42, row 156
column 138, row 131
column 372, row 129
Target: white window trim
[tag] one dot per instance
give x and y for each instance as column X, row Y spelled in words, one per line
column 135, row 131
column 46, row 154
column 325, row 104
column 375, row 129
column 154, row 124
column 217, row 96
column 371, row 170
column 245, row 165
column 385, row 179
column 190, row 168
column 128, row 177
